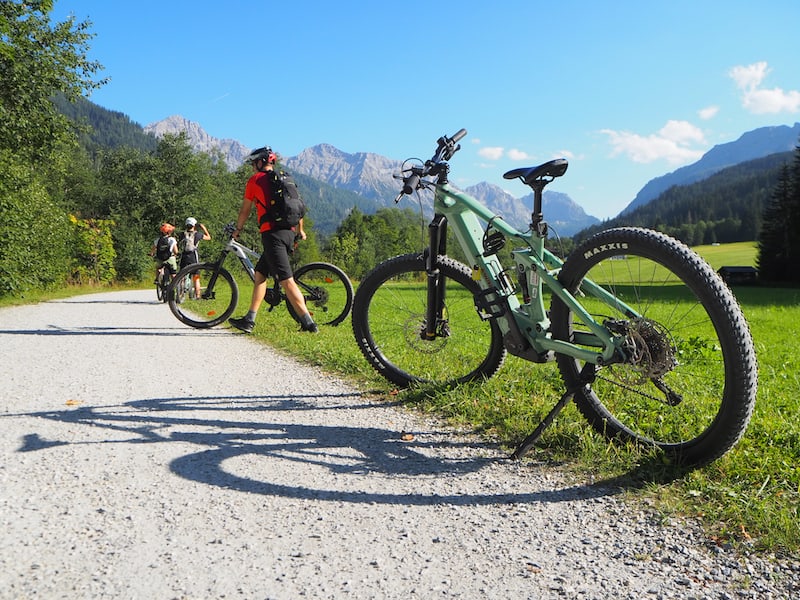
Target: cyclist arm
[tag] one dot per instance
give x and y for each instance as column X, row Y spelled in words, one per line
column 244, row 214
column 206, row 235
column 300, row 231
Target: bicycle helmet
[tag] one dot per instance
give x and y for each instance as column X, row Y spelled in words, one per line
column 191, row 222
column 263, row 153
column 166, row 228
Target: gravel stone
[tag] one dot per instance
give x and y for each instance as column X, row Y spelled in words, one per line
column 145, row 459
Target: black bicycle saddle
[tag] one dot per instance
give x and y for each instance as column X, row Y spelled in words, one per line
column 554, row 168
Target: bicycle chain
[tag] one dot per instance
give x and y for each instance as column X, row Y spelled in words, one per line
column 625, row 386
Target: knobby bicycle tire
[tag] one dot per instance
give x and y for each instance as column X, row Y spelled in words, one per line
column 327, row 291
column 162, row 285
column 389, row 324
column 213, row 306
column 689, row 383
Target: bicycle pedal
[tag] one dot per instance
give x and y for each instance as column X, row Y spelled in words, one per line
column 490, row 304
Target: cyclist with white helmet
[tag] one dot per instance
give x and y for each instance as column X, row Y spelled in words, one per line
column 191, row 240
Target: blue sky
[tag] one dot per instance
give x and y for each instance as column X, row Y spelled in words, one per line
column 626, row 90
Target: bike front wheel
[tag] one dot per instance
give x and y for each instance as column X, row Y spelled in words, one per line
column 687, row 384
column 216, row 302
column 327, row 291
column 389, row 316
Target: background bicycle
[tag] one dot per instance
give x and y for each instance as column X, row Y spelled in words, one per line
column 162, row 283
column 327, row 289
column 184, row 288
column 649, row 341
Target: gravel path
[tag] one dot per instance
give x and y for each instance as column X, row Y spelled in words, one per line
column 145, row 459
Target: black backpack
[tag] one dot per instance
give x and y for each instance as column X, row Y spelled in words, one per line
column 162, row 248
column 287, row 206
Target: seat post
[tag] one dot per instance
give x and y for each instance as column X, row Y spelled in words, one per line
column 537, row 218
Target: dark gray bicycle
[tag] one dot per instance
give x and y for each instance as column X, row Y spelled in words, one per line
column 327, row 289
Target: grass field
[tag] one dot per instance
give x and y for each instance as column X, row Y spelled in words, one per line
column 740, row 254
column 751, row 496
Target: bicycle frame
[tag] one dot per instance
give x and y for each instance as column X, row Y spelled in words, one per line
column 242, row 252
column 525, row 326
column 275, row 295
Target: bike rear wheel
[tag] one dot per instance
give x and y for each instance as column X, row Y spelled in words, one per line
column 688, row 385
column 389, row 315
column 219, row 295
column 162, row 285
column 327, row 291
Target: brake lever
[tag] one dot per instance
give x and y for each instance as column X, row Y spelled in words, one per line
column 402, row 178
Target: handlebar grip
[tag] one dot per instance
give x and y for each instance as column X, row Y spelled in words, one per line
column 410, row 184
column 458, row 135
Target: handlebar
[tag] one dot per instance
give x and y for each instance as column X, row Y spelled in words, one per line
column 450, row 144
column 410, row 184
column 446, row 147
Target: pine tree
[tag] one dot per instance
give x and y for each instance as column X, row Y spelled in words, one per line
column 794, row 221
column 779, row 238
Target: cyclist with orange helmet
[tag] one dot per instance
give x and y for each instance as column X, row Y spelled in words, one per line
column 165, row 249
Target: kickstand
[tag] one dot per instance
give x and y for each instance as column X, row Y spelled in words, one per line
column 587, row 377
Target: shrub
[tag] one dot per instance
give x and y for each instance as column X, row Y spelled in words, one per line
column 35, row 235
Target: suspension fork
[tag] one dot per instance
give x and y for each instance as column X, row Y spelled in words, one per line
column 212, row 281
column 437, row 233
column 209, row 293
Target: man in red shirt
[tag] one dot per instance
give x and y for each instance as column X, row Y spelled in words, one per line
column 278, row 243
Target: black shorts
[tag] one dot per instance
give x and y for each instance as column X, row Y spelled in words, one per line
column 278, row 245
column 188, row 258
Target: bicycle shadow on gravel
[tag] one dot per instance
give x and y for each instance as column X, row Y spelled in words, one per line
column 81, row 300
column 348, row 464
column 96, row 330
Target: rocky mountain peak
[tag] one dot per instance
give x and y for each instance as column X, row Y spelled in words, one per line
column 233, row 152
column 367, row 174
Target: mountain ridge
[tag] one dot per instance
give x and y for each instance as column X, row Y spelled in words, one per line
column 751, row 145
column 372, row 176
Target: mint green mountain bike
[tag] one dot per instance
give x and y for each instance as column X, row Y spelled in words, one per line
column 650, row 342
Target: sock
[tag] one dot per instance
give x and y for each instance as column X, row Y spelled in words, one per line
column 251, row 316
